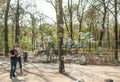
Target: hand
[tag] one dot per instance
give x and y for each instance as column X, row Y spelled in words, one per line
column 12, row 55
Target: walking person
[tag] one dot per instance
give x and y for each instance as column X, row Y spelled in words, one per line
column 19, row 58
column 13, row 61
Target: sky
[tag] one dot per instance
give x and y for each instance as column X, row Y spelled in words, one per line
column 46, row 8
column 42, row 6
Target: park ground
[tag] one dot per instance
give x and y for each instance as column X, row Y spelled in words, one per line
column 48, row 72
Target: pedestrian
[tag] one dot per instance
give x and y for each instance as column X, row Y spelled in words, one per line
column 13, row 61
column 19, row 56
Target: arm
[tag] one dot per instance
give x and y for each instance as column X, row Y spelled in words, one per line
column 10, row 55
column 20, row 51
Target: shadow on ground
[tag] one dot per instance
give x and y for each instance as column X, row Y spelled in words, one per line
column 17, row 80
column 73, row 78
column 40, row 74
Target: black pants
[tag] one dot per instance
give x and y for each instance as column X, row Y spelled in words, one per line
column 20, row 62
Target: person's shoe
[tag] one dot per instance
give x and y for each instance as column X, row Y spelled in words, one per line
column 20, row 69
column 14, row 76
column 11, row 77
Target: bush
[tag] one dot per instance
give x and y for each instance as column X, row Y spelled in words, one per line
column 1, row 53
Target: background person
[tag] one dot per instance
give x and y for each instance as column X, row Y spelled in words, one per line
column 19, row 58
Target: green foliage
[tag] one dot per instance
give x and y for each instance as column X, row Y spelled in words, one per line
column 91, row 18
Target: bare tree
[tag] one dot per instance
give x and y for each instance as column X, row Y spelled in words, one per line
column 80, row 13
column 6, row 29
column 33, row 20
column 71, row 16
column 103, row 24
column 57, row 4
column 60, row 34
column 102, row 7
column 33, row 30
column 17, row 33
column 116, row 30
column 108, row 33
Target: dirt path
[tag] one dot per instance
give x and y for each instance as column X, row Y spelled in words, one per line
column 41, row 72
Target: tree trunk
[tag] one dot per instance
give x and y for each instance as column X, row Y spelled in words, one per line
column 13, row 29
column 90, row 29
column 65, row 22
column 6, row 29
column 70, row 12
column 116, row 31
column 33, row 31
column 81, row 6
column 119, row 38
column 41, row 33
column 94, row 34
column 103, row 25
column 80, row 27
column 17, row 33
column 60, row 35
column 108, row 33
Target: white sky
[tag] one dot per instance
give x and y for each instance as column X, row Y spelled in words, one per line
column 42, row 6
column 46, row 8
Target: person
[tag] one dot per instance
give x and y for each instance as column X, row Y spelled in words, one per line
column 13, row 61
column 19, row 58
